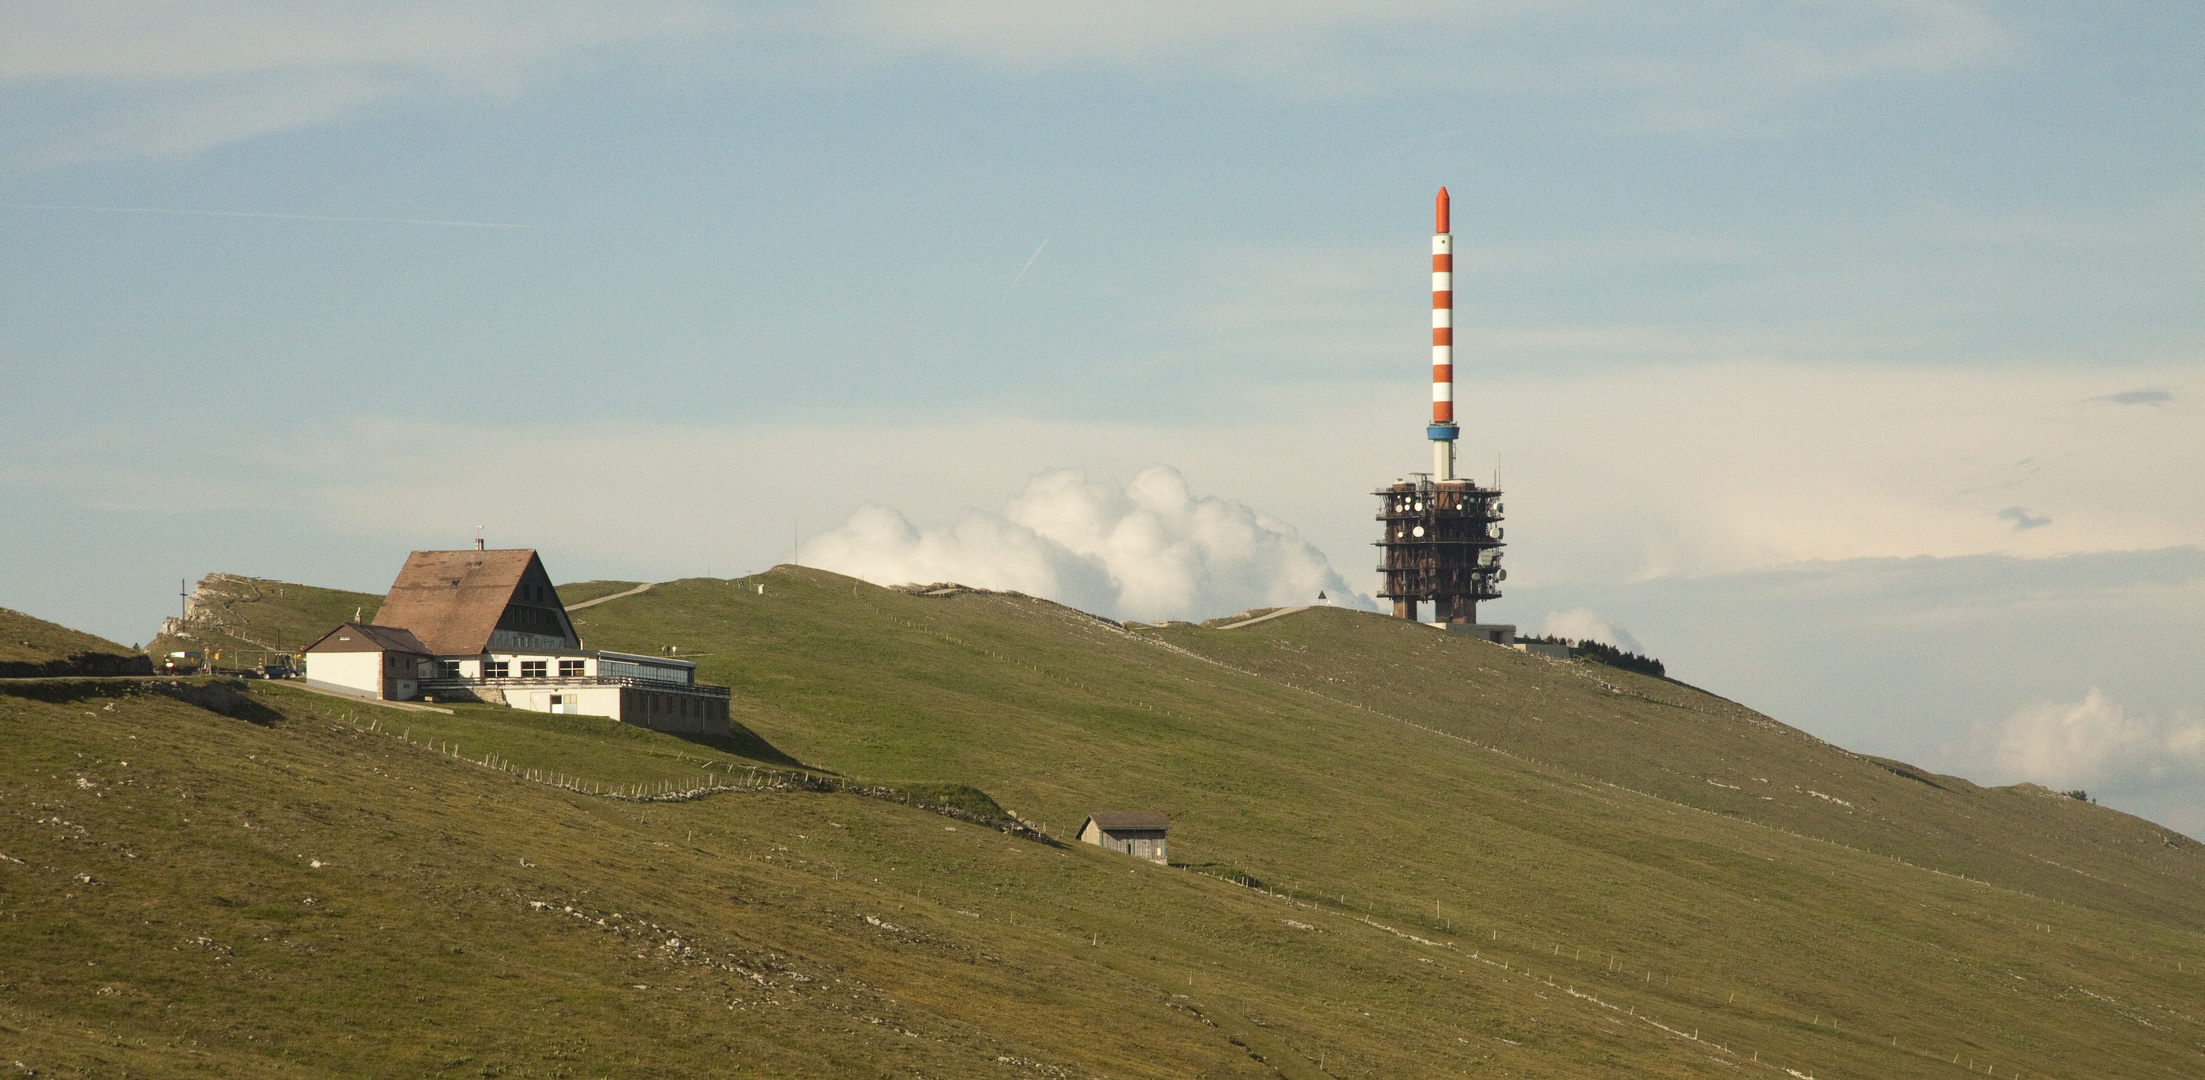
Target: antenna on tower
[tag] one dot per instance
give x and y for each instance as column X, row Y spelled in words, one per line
column 1441, row 537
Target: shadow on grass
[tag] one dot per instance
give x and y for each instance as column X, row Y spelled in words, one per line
column 222, row 696
column 1230, row 873
column 742, row 742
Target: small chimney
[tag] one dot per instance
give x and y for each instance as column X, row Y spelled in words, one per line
column 478, row 543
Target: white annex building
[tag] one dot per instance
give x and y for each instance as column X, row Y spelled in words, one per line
column 487, row 626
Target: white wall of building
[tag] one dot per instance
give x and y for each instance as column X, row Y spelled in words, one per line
column 575, row 700
column 354, row 672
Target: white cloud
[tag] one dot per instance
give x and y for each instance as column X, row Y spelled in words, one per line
column 1721, row 468
column 2091, row 744
column 175, row 78
column 1691, row 65
column 1148, row 549
column 181, row 77
column 1612, row 475
column 114, row 41
column 1578, row 624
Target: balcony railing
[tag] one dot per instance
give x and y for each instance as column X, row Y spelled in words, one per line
column 556, row 681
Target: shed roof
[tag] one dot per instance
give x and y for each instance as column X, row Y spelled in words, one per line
column 1114, row 820
column 372, row 638
column 453, row 600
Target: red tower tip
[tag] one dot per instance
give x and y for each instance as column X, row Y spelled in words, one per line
column 1439, row 212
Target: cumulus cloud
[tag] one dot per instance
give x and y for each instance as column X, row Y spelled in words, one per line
column 2093, row 744
column 1578, row 624
column 1146, row 549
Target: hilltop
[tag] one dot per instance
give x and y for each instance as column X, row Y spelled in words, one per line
column 31, row 647
column 249, row 620
column 1399, row 853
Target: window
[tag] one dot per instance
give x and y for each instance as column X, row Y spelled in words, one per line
column 493, row 669
column 569, row 669
column 533, row 669
column 450, row 669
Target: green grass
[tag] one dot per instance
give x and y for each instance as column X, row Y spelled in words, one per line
column 27, row 639
column 251, row 620
column 1477, row 862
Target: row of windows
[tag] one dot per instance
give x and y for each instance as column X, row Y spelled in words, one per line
column 677, row 704
column 530, row 669
column 628, row 670
column 531, row 620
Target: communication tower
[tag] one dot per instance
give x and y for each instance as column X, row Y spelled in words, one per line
column 1442, row 535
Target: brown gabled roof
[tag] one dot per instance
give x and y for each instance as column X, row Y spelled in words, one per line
column 454, row 600
column 1114, row 820
column 371, row 638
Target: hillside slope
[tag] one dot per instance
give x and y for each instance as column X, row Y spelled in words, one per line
column 250, row 621
column 1473, row 862
column 31, row 647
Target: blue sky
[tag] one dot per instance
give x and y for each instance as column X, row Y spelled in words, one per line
column 1845, row 355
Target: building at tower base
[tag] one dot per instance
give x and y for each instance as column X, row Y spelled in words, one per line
column 1441, row 544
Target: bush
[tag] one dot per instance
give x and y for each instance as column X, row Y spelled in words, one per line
column 1601, row 652
column 964, row 797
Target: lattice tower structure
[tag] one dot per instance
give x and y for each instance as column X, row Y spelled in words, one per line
column 1441, row 543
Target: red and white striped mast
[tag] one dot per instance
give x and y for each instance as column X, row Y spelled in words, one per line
column 1442, row 431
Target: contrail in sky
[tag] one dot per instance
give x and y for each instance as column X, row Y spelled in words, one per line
column 1022, row 270
column 287, row 217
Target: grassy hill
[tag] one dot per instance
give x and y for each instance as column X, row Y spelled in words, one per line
column 249, row 621
column 32, row 647
column 1471, row 862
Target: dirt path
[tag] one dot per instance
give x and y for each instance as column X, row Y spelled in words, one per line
column 1252, row 622
column 602, row 599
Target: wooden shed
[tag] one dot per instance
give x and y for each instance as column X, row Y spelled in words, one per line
column 1139, row 833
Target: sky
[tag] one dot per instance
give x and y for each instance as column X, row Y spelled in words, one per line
column 1847, row 356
